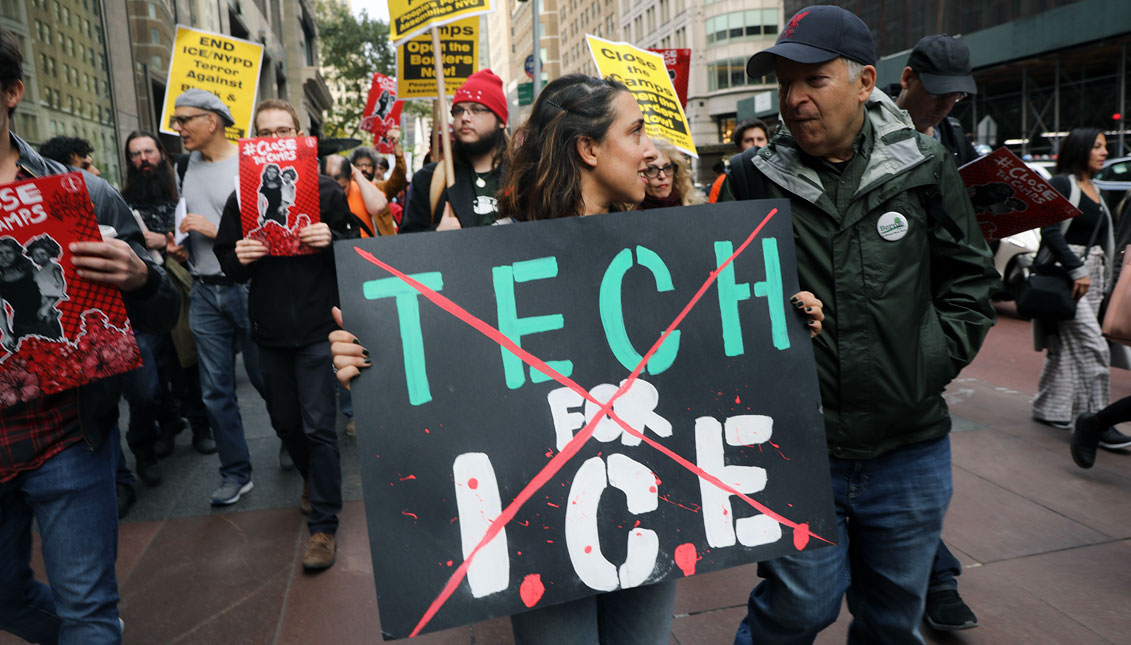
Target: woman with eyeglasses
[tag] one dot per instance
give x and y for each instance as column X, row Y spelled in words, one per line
column 669, row 180
column 582, row 152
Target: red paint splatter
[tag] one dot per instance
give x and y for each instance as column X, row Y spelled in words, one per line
column 651, row 489
column 518, row 552
column 737, row 400
column 687, row 508
column 549, row 541
column 525, row 523
column 407, row 478
column 637, row 524
column 589, row 549
column 453, row 520
column 427, row 431
column 801, row 536
column 412, row 515
column 552, row 504
column 686, row 557
column 473, row 483
column 449, row 563
column 531, row 589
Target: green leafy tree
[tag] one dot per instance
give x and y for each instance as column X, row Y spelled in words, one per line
column 352, row 50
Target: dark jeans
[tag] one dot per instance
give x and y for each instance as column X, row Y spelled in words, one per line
column 299, row 387
column 889, row 516
column 142, row 389
column 944, row 571
column 635, row 616
column 72, row 499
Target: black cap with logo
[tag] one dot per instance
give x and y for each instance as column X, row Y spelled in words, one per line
column 815, row 35
column 943, row 65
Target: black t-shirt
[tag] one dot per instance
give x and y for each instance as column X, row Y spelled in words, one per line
column 1082, row 226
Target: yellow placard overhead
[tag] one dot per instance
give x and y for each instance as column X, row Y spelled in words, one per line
column 228, row 67
column 647, row 78
column 408, row 18
column 416, row 73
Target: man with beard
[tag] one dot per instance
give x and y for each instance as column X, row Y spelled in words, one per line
column 167, row 386
column 363, row 159
column 479, row 116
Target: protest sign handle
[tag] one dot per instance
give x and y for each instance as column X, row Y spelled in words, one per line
column 445, row 140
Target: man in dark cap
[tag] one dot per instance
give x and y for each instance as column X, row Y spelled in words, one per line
column 936, row 78
column 886, row 238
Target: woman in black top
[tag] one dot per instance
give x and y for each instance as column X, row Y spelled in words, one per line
column 1076, row 376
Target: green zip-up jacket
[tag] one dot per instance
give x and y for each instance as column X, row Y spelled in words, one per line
column 906, row 304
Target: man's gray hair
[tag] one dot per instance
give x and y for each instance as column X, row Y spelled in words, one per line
column 854, row 68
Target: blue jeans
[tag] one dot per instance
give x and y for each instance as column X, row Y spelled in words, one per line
column 944, row 570
column 72, row 498
column 141, row 387
column 219, row 323
column 636, row 616
column 889, row 517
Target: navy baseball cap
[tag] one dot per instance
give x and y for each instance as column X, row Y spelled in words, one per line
column 815, row 35
column 943, row 65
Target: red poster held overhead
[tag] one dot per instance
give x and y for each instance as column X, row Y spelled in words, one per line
column 382, row 112
column 279, row 191
column 57, row 330
column 1009, row 197
column 678, row 62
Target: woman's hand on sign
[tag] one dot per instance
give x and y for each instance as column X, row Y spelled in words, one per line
column 1080, row 287
column 812, row 308
column 316, row 236
column 200, row 224
column 248, row 251
column 347, row 354
column 448, row 222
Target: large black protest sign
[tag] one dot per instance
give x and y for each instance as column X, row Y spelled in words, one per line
column 497, row 477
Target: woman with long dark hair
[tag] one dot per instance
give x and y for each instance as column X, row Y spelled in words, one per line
column 19, row 289
column 1076, row 376
column 582, row 151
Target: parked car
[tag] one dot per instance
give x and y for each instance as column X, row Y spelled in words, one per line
column 1114, row 180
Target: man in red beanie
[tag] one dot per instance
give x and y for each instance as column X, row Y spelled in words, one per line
column 479, row 119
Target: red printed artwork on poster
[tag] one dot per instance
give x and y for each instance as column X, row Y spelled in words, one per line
column 1010, row 197
column 57, row 330
column 382, row 112
column 279, row 191
column 678, row 62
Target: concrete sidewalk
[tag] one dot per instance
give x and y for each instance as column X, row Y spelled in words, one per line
column 1046, row 545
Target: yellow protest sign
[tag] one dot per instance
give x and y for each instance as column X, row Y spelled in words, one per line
column 408, row 18
column 416, row 73
column 228, row 67
column 647, row 78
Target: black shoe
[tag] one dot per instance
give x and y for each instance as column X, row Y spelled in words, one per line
column 147, row 469
column 167, row 437
column 1085, row 440
column 1059, row 425
column 945, row 611
column 202, row 441
column 1113, row 439
column 286, row 464
column 126, row 499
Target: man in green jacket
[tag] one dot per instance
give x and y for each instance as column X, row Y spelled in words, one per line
column 887, row 240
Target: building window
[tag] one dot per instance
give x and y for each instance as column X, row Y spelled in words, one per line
column 731, row 72
column 156, row 63
column 741, row 25
column 154, row 36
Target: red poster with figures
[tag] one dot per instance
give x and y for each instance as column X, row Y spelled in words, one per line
column 57, row 330
column 678, row 62
column 279, row 191
column 382, row 112
column 1010, row 197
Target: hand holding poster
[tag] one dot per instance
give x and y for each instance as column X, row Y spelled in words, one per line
column 226, row 66
column 1009, row 197
column 382, row 112
column 647, row 78
column 416, row 73
column 408, row 18
column 279, row 191
column 521, row 391
column 678, row 62
column 57, row 330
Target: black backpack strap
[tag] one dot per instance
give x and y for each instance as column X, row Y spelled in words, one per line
column 182, row 168
column 746, row 181
column 931, row 200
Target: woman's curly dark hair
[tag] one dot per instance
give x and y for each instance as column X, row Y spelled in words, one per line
column 47, row 243
column 544, row 170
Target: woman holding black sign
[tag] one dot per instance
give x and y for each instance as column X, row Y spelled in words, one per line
column 582, row 151
column 1076, row 378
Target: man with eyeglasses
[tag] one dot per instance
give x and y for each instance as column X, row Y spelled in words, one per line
column 479, row 118
column 936, row 78
column 289, row 303
column 217, row 305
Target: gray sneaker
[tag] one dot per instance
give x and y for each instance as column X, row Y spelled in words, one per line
column 229, row 492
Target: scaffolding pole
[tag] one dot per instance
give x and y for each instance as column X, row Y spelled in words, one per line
column 1024, row 112
column 1122, row 96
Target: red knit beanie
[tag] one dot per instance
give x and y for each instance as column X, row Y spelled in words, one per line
column 485, row 88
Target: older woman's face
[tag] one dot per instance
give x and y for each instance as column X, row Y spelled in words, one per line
column 660, row 186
